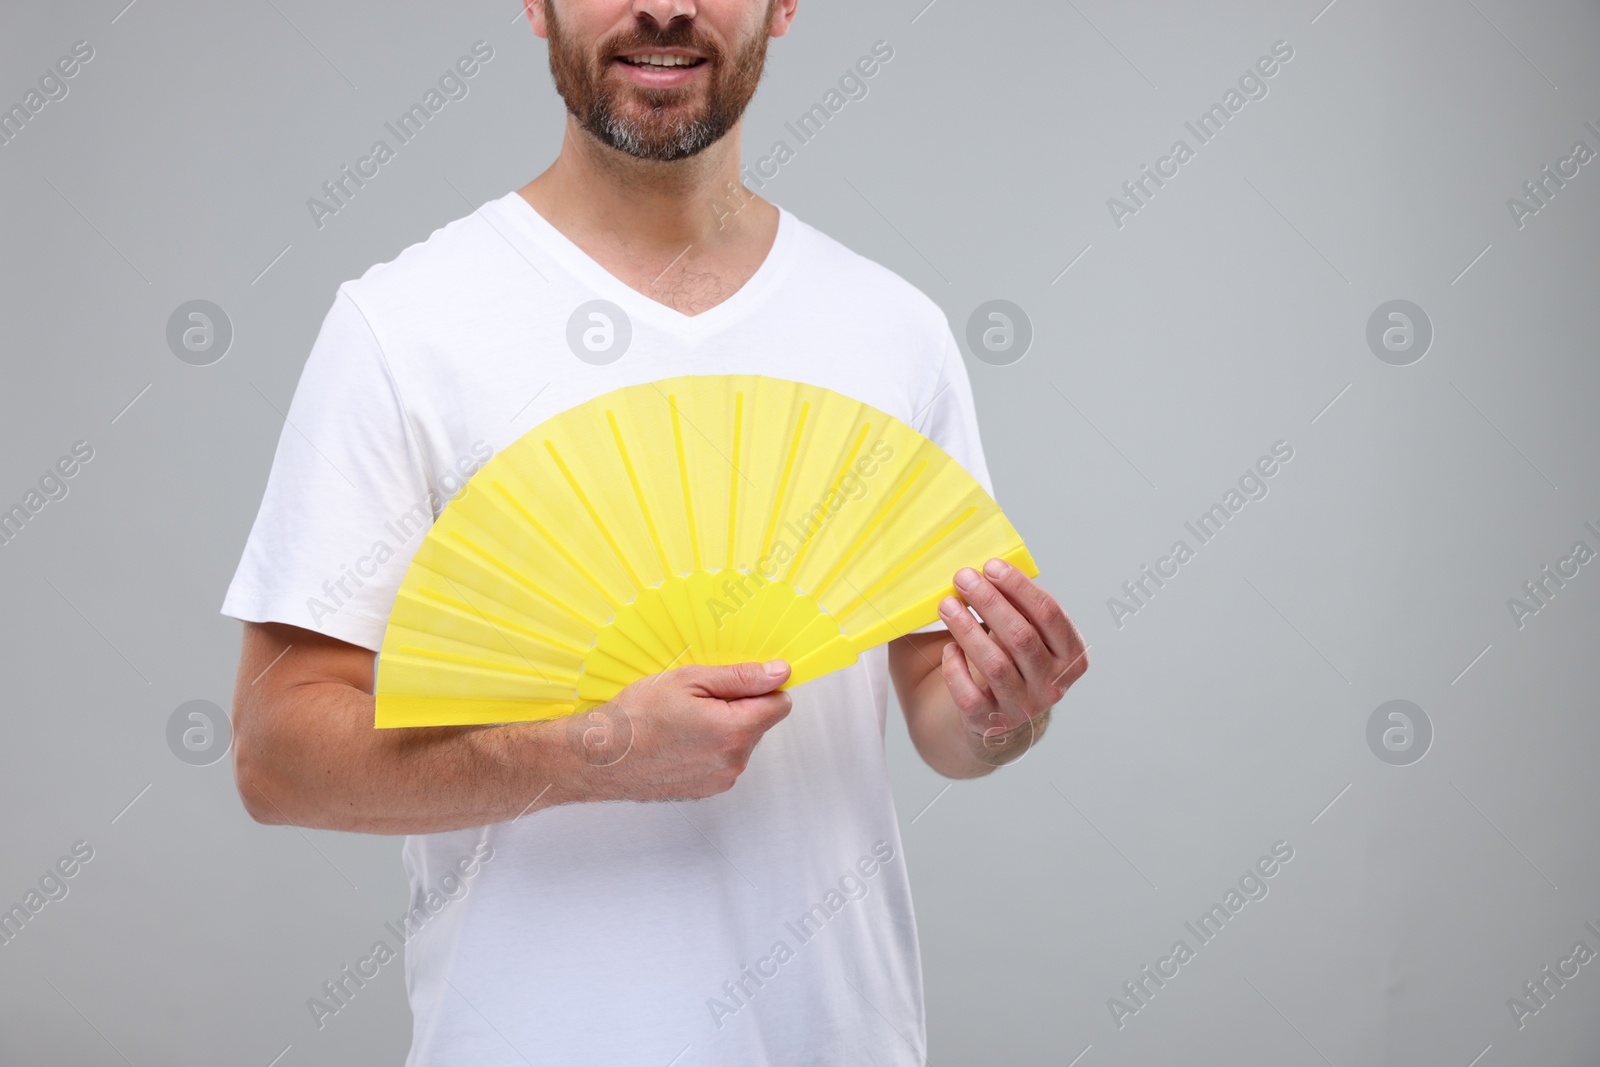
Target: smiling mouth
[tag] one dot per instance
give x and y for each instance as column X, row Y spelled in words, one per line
column 661, row 61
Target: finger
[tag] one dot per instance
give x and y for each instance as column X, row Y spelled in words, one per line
column 1037, row 605
column 762, row 712
column 993, row 662
column 1012, row 629
column 958, row 679
column 736, row 679
column 1077, row 658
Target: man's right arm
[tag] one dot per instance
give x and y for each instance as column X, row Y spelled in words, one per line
column 306, row 752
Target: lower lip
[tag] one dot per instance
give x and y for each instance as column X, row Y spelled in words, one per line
column 659, row 77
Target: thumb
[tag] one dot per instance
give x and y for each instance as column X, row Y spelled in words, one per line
column 737, row 679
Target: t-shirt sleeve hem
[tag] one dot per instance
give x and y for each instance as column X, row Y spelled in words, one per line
column 354, row 627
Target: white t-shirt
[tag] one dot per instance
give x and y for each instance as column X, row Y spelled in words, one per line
column 768, row 925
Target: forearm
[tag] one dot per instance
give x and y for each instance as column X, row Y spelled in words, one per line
column 953, row 748
column 321, row 763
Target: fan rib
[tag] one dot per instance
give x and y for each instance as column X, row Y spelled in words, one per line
column 894, row 572
column 583, row 499
column 640, row 661
column 438, row 655
column 423, row 591
column 733, row 478
column 572, row 562
column 780, row 500
column 638, row 493
column 883, row 513
column 494, row 626
column 497, row 567
column 683, row 477
column 849, row 461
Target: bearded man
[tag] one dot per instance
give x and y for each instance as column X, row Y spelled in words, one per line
column 656, row 889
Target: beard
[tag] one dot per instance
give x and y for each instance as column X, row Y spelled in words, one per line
column 655, row 124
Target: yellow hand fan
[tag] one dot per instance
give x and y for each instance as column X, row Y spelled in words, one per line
column 703, row 519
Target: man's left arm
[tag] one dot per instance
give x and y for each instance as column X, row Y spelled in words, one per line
column 979, row 695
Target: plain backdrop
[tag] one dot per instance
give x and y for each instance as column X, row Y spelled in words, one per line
column 1172, row 346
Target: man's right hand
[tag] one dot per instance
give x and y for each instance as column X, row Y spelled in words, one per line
column 682, row 734
column 306, row 753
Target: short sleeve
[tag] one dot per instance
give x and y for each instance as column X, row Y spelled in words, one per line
column 347, row 499
column 950, row 420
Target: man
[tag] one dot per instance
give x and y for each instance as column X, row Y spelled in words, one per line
column 732, row 904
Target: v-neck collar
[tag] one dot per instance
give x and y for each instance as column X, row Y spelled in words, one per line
column 539, row 231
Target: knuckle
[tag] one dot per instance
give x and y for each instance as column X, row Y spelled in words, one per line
column 1025, row 638
column 680, row 680
column 708, row 787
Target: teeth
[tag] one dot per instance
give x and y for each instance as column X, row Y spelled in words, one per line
column 661, row 60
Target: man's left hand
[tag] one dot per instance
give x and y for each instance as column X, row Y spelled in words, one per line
column 1014, row 666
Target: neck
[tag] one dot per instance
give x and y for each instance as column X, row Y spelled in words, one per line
column 593, row 188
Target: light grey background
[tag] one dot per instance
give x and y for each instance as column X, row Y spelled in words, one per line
column 1228, row 314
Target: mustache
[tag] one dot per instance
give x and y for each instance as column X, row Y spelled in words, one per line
column 679, row 33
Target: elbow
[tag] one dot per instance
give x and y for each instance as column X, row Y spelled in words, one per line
column 253, row 779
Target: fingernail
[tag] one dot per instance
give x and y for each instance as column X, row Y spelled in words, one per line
column 995, row 568
column 774, row 667
column 949, row 605
column 966, row 578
